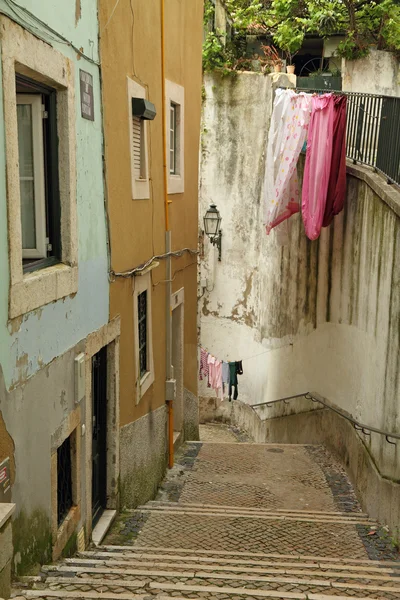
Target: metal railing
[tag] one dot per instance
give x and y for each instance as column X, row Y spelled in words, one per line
column 365, row 429
column 373, row 131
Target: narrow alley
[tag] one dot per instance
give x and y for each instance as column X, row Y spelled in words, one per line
column 238, row 520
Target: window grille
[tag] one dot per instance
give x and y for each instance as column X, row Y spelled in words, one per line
column 142, row 332
column 64, row 480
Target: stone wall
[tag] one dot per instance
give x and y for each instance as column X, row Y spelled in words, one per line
column 322, row 315
column 377, row 73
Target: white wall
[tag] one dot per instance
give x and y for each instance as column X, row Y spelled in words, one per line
column 322, row 316
column 377, row 73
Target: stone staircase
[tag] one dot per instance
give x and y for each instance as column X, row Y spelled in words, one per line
column 173, row 548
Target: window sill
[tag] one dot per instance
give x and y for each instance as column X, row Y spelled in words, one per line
column 143, row 385
column 176, row 184
column 42, row 287
column 65, row 530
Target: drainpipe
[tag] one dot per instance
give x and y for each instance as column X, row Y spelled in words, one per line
column 170, row 387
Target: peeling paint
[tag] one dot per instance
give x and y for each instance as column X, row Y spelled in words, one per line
column 322, row 315
column 77, row 11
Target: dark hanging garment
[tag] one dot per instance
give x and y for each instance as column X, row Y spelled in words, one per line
column 233, row 381
column 337, row 181
column 239, row 368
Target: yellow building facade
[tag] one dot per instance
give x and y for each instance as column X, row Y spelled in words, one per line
column 155, row 333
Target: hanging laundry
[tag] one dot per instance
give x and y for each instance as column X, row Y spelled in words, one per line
column 233, row 381
column 215, row 374
column 318, row 164
column 336, row 195
column 203, row 368
column 288, row 131
column 225, row 372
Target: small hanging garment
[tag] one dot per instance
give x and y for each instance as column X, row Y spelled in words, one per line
column 215, row 374
column 233, row 381
column 203, row 369
column 288, row 131
column 337, row 180
column 225, row 372
column 239, row 367
column 211, row 362
column 318, row 164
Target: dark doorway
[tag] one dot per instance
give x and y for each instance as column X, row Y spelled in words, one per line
column 99, row 434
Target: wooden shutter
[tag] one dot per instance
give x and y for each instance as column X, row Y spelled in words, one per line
column 138, row 148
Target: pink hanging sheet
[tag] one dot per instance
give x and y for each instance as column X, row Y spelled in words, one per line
column 318, row 164
column 288, row 130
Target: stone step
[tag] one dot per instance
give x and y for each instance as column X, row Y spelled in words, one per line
column 216, row 512
column 94, row 595
column 212, row 554
column 252, row 509
column 152, row 561
column 87, row 587
column 280, row 578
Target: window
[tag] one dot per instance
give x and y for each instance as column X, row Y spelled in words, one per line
column 172, row 138
column 38, row 173
column 144, row 363
column 40, row 119
column 142, row 332
column 138, row 145
column 175, row 95
column 139, row 165
column 64, row 480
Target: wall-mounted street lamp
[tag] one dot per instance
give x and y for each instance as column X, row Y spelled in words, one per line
column 212, row 227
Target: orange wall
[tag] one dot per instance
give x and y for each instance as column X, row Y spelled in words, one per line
column 131, row 47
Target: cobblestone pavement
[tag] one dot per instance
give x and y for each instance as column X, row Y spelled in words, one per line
column 237, row 521
column 218, row 432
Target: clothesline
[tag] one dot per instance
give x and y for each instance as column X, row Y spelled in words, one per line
column 250, row 357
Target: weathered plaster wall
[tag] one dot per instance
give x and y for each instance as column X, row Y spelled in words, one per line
column 320, row 315
column 143, row 457
column 138, row 226
column 377, row 73
column 28, row 344
column 37, row 351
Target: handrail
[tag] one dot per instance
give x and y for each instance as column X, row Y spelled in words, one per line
column 365, row 429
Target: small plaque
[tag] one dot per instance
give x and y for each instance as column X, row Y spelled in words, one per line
column 87, row 100
column 5, row 481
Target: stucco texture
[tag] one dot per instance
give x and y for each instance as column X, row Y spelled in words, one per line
column 30, row 342
column 37, row 350
column 131, row 48
column 320, row 315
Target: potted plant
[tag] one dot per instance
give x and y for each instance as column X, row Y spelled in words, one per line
column 289, row 41
column 272, row 58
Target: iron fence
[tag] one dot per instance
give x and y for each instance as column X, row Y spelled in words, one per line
column 373, row 131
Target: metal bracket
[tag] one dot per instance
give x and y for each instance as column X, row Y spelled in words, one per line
column 389, row 442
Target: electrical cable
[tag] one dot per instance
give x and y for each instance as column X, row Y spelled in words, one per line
column 59, row 38
column 144, row 266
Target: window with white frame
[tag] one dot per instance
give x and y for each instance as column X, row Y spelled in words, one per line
column 144, row 362
column 173, row 110
column 175, row 96
column 40, row 117
column 38, row 173
column 138, row 145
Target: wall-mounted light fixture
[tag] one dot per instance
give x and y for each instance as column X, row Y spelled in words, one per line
column 144, row 109
column 212, row 227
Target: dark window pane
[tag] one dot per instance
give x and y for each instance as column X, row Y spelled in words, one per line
column 64, row 480
column 142, row 332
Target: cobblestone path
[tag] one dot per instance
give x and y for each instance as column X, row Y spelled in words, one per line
column 237, row 520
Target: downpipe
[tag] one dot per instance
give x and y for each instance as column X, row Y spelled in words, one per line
column 170, row 384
